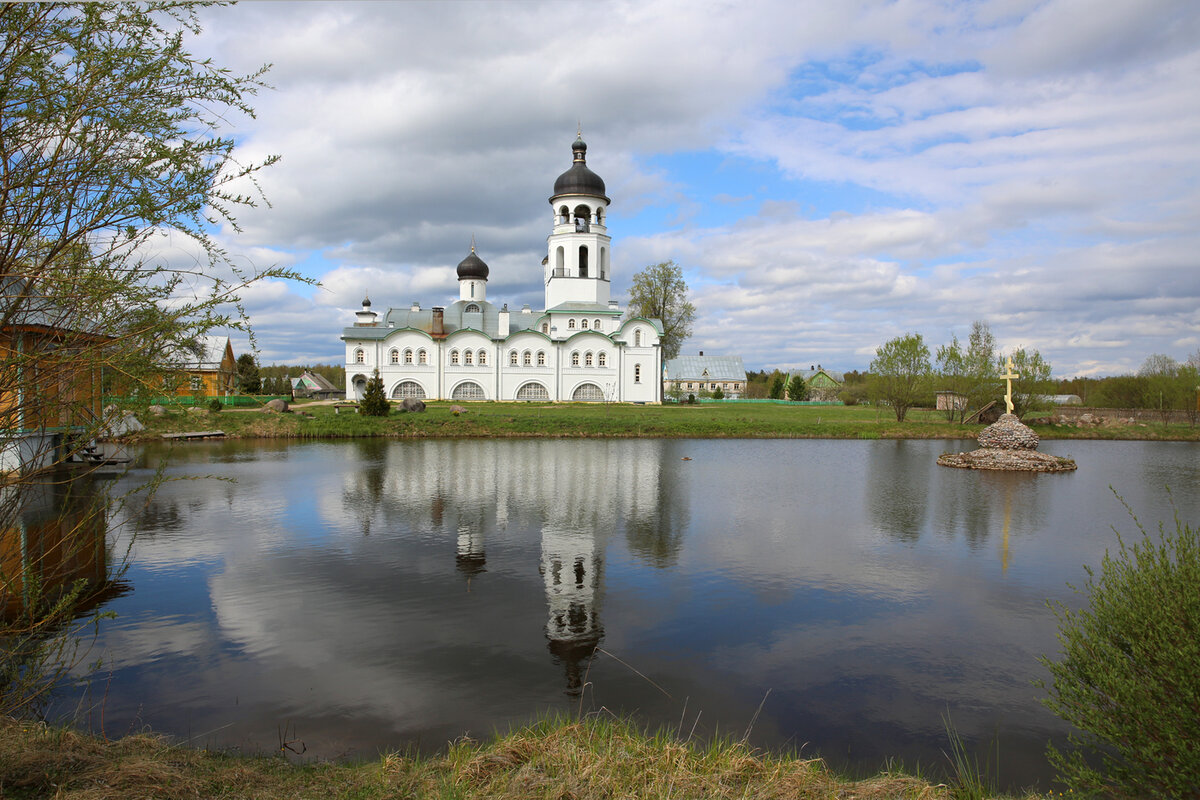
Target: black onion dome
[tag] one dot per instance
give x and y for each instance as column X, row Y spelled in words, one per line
column 366, row 302
column 472, row 267
column 579, row 179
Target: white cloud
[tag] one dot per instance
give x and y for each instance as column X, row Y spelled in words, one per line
column 1029, row 163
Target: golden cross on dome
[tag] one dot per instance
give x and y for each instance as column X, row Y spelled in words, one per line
column 472, row 243
column 1008, row 379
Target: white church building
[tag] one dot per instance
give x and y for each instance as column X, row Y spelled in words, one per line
column 582, row 347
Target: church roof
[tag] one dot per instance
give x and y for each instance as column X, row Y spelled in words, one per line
column 577, row 307
column 455, row 317
column 472, row 267
column 579, row 179
column 716, row 368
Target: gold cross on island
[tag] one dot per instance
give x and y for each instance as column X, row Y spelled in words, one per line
column 1008, row 379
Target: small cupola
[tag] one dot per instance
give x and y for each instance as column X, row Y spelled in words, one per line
column 365, row 316
column 472, row 267
column 472, row 277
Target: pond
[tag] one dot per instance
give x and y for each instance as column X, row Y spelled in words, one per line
column 841, row 598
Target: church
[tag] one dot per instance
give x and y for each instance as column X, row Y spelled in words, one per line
column 582, row 347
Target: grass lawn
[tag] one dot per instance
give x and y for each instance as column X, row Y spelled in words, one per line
column 587, row 760
column 582, row 420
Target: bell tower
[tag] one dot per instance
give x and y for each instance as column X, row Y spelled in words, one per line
column 579, row 247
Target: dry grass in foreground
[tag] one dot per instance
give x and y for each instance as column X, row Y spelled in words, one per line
column 555, row 760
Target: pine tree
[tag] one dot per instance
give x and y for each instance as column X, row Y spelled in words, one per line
column 374, row 402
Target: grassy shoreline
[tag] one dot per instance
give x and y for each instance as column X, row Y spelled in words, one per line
column 597, row 757
column 583, row 420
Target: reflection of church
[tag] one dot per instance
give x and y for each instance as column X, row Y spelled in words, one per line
column 577, row 494
column 582, row 347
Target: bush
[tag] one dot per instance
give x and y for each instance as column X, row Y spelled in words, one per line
column 1129, row 677
column 215, row 405
column 374, row 401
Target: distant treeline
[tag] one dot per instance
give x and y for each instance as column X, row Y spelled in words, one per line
column 1150, row 390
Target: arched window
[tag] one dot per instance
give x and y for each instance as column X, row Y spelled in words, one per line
column 603, row 263
column 571, row 324
column 468, row 358
column 546, row 328
column 637, row 338
column 583, row 261
column 472, row 309
column 512, row 358
column 583, row 324
column 587, row 358
column 533, row 391
column 408, row 389
column 360, row 357
column 422, row 357
column 560, row 260
column 575, row 358
column 483, row 358
column 596, row 324
column 541, row 358
column 588, row 393
column 637, row 373
column 468, row 390
column 408, row 356
column 563, row 214
column 394, row 356
column 527, row 359
column 602, row 359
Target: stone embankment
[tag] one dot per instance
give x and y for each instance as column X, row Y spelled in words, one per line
column 1007, row 445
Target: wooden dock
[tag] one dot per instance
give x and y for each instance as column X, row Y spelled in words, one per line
column 188, row 435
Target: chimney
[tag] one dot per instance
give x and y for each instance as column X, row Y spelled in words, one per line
column 439, row 328
column 503, row 331
column 701, row 352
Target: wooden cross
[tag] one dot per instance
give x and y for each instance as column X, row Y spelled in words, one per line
column 1008, row 379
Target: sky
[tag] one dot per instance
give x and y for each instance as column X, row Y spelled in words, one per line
column 828, row 176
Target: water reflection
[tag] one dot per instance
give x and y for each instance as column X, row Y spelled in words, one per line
column 376, row 594
column 897, row 490
column 52, row 541
column 580, row 493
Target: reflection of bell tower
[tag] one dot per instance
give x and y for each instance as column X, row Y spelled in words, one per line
column 572, row 570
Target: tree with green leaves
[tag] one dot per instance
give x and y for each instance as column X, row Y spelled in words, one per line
column 659, row 292
column 110, row 142
column 900, row 372
column 778, row 384
column 1169, row 385
column 374, row 401
column 249, row 381
column 952, row 376
column 797, row 389
column 979, row 364
column 1128, row 673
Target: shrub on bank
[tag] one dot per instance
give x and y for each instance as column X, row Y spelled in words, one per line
column 1129, row 677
